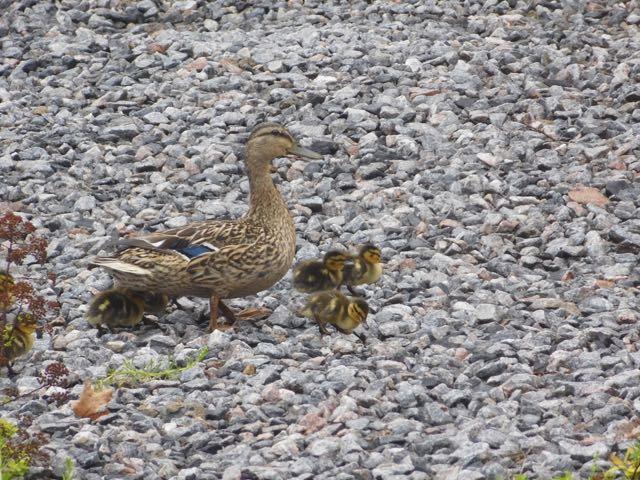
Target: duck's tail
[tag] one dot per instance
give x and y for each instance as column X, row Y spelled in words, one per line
column 117, row 265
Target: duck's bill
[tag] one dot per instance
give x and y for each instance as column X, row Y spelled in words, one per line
column 304, row 152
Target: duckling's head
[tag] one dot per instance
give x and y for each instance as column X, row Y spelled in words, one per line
column 26, row 324
column 358, row 310
column 334, row 260
column 271, row 140
column 370, row 253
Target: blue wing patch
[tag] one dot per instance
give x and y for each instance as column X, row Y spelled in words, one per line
column 193, row 251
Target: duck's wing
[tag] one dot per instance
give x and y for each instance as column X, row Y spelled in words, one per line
column 215, row 233
column 234, row 264
column 142, row 261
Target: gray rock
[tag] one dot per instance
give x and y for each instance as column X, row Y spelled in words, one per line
column 125, row 123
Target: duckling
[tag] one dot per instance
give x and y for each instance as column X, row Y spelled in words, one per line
column 155, row 303
column 17, row 339
column 6, row 291
column 344, row 313
column 365, row 268
column 115, row 308
column 315, row 276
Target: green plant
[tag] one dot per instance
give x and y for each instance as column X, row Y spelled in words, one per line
column 564, row 476
column 18, row 450
column 127, row 374
column 12, row 463
column 627, row 467
column 68, row 469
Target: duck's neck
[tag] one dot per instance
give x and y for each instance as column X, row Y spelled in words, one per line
column 265, row 200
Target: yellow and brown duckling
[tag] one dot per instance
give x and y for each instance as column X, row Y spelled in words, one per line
column 220, row 259
column 116, row 308
column 364, row 268
column 119, row 307
column 344, row 313
column 17, row 339
column 317, row 276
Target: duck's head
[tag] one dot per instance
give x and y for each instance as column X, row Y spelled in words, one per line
column 334, row 260
column 358, row 310
column 370, row 253
column 26, row 323
column 271, row 140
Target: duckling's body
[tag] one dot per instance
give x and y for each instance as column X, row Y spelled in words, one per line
column 365, row 268
column 155, row 303
column 315, row 276
column 17, row 340
column 344, row 313
column 220, row 259
column 116, row 308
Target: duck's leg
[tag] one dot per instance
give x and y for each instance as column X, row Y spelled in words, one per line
column 362, row 338
column 321, row 326
column 214, row 301
column 353, row 291
column 227, row 312
column 217, row 307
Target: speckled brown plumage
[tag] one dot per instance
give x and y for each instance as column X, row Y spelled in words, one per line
column 246, row 255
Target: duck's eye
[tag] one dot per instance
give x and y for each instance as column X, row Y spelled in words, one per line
column 280, row 133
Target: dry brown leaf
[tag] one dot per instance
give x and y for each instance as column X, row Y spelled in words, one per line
column 231, row 66
column 198, row 64
column 587, row 195
column 602, row 283
column 427, row 92
column 253, row 313
column 91, row 402
column 158, row 47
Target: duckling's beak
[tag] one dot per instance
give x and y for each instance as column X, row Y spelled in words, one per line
column 304, row 152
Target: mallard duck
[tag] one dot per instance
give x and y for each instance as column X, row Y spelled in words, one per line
column 365, row 268
column 344, row 313
column 6, row 291
column 17, row 339
column 315, row 276
column 220, row 259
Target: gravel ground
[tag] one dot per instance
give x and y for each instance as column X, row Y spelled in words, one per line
column 504, row 333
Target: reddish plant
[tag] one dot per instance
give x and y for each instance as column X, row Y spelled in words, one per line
column 21, row 307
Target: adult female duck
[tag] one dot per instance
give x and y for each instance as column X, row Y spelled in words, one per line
column 220, row 259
